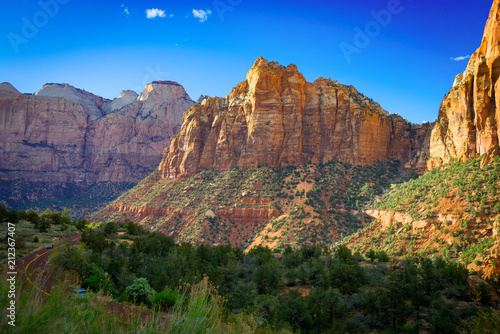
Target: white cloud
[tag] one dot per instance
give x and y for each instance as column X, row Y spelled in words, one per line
column 171, row 15
column 125, row 10
column 201, row 14
column 460, row 58
column 155, row 12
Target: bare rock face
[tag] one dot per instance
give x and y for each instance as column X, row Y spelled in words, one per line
column 5, row 86
column 202, row 98
column 468, row 123
column 276, row 118
column 126, row 144
column 126, row 97
column 90, row 102
column 66, row 135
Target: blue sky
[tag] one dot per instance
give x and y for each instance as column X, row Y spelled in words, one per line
column 404, row 63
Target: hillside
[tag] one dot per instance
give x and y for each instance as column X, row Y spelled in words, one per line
column 451, row 211
column 308, row 204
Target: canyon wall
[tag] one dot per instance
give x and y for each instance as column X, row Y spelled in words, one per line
column 276, row 118
column 65, row 135
column 469, row 116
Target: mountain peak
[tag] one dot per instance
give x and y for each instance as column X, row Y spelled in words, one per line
column 264, row 65
column 91, row 103
column 276, row 118
column 6, row 86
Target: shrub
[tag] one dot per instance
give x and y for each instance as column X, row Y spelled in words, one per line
column 166, row 298
column 140, row 291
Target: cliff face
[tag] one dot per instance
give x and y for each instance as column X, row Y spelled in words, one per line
column 468, row 123
column 66, row 135
column 276, row 118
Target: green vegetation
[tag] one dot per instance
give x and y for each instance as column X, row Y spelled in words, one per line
column 81, row 199
column 34, row 231
column 318, row 203
column 311, row 290
column 202, row 312
column 463, row 182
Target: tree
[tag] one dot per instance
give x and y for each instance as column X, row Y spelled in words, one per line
column 110, row 228
column 140, row 291
column 33, row 217
column 293, row 310
column 344, row 254
column 44, row 224
column 267, row 277
column 82, row 224
column 371, row 255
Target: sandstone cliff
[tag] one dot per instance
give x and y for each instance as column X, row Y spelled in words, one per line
column 276, row 118
column 66, row 135
column 468, row 123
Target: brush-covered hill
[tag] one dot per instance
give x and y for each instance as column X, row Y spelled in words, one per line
column 277, row 207
column 451, row 211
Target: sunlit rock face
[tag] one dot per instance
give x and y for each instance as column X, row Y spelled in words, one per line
column 468, row 124
column 276, row 118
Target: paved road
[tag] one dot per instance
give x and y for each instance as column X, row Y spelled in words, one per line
column 33, row 266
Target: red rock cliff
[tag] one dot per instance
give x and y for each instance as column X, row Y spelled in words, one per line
column 63, row 134
column 276, row 118
column 468, row 123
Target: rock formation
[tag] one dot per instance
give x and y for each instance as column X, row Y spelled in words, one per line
column 276, row 118
column 66, row 135
column 468, row 123
column 202, row 98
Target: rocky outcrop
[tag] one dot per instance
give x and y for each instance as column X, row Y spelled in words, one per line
column 276, row 118
column 469, row 116
column 66, row 135
column 248, row 215
column 202, row 98
column 389, row 218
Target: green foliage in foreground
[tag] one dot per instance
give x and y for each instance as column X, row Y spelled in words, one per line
column 200, row 311
column 311, row 290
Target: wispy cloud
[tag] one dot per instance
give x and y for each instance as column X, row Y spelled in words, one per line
column 125, row 10
column 155, row 12
column 460, row 58
column 202, row 14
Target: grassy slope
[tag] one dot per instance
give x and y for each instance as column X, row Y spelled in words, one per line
column 315, row 204
column 461, row 205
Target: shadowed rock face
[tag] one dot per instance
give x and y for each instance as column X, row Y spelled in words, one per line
column 63, row 134
column 468, row 124
column 276, row 118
